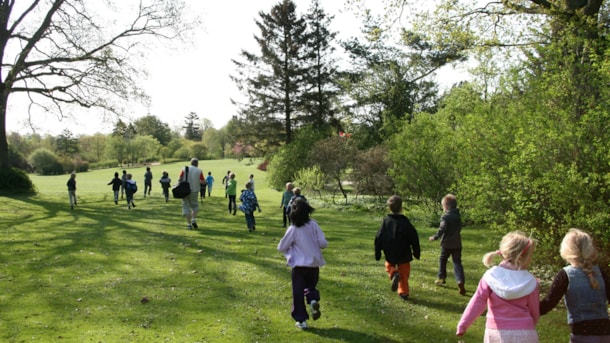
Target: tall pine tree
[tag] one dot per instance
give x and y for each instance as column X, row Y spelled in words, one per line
column 272, row 80
column 320, row 86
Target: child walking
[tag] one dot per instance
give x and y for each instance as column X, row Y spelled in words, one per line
column 302, row 246
column 286, row 196
column 165, row 184
column 210, row 181
column 449, row 232
column 130, row 188
column 232, row 193
column 585, row 289
column 508, row 292
column 398, row 240
column 72, row 189
column 116, row 183
column 249, row 205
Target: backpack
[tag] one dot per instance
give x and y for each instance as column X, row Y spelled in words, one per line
column 132, row 187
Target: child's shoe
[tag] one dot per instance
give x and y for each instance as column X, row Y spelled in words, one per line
column 315, row 310
column 395, row 280
column 194, row 224
column 461, row 288
column 439, row 282
column 301, row 325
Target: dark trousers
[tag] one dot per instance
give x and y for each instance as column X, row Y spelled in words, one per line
column 284, row 215
column 232, row 203
column 250, row 221
column 456, row 258
column 304, row 282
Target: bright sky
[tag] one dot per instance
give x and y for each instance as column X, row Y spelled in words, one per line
column 196, row 80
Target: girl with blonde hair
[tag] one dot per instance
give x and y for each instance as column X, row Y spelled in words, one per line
column 508, row 292
column 585, row 289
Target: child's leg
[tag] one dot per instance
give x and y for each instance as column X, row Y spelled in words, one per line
column 403, row 285
column 299, row 313
column 312, row 275
column 390, row 268
column 458, row 268
column 442, row 267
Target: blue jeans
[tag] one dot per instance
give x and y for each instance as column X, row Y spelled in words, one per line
column 456, row 258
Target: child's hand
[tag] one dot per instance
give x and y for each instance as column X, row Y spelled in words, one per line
column 431, row 238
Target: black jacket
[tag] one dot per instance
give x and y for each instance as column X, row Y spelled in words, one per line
column 398, row 240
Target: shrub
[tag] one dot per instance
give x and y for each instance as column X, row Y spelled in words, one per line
column 15, row 181
column 45, row 162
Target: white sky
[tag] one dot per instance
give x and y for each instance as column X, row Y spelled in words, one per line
column 196, row 80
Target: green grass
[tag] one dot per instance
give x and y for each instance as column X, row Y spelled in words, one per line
column 80, row 275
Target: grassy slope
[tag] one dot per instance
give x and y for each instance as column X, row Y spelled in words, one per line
column 77, row 276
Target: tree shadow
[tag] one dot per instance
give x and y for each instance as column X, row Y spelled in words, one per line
column 345, row 335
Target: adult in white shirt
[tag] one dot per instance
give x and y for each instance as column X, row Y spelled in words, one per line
column 190, row 204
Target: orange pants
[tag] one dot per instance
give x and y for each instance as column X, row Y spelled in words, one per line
column 404, row 269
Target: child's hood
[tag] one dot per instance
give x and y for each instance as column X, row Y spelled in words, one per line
column 510, row 284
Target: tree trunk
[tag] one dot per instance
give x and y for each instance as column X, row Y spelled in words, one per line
column 4, row 160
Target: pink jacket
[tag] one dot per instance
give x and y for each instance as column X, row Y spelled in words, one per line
column 511, row 298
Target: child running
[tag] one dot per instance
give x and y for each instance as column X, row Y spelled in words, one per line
column 286, row 197
column 165, row 184
column 130, row 188
column 72, row 190
column 398, row 240
column 508, row 292
column 116, row 183
column 249, row 205
column 302, row 245
column 585, row 289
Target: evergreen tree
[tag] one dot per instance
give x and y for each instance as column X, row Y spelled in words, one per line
column 274, row 81
column 320, row 88
column 66, row 144
column 192, row 129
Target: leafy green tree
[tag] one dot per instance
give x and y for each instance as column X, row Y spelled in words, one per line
column 153, row 126
column 92, row 147
column 370, row 171
column 423, row 156
column 199, row 150
column 144, row 148
column 291, row 158
column 61, row 53
column 333, row 156
column 117, row 149
column 45, row 162
column 389, row 83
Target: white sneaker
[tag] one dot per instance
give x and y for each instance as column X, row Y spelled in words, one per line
column 301, row 325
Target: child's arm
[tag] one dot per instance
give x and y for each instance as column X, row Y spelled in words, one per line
column 476, row 306
column 558, row 288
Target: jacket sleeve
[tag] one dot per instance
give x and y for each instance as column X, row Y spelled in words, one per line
column 476, row 306
column 378, row 243
column 558, row 289
column 286, row 241
column 414, row 239
column 441, row 229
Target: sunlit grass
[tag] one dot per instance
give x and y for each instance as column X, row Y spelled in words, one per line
column 81, row 275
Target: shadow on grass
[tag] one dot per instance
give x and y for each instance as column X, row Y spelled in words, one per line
column 345, row 335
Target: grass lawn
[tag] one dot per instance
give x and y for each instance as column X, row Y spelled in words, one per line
column 81, row 275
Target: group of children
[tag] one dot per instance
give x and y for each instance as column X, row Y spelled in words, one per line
column 507, row 291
